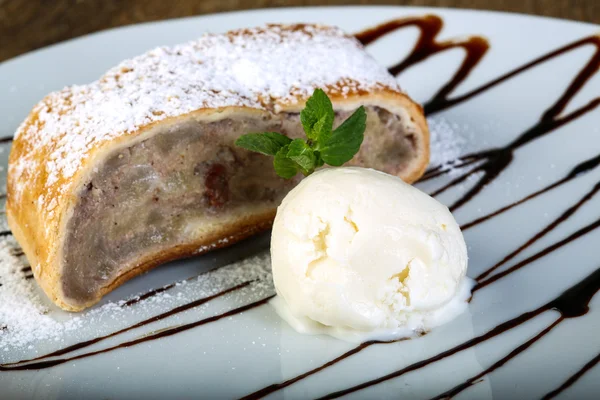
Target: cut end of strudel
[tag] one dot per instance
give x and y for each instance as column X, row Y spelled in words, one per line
column 110, row 179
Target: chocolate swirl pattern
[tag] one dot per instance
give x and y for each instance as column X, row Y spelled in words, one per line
column 484, row 166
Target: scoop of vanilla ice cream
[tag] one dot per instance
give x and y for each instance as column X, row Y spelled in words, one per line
column 355, row 249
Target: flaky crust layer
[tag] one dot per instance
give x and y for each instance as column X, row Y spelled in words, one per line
column 42, row 189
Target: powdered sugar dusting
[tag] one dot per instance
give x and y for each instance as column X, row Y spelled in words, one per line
column 261, row 68
column 28, row 321
column 23, row 315
column 447, row 144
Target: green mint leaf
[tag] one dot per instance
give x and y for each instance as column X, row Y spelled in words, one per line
column 268, row 143
column 303, row 155
column 319, row 160
column 317, row 116
column 284, row 167
column 344, row 142
column 322, row 147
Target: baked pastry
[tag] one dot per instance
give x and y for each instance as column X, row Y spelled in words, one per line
column 109, row 179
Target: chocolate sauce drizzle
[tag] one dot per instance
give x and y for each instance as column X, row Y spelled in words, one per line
column 490, row 163
column 572, row 303
column 573, row 378
column 19, row 253
column 27, row 271
column 579, row 170
column 129, row 303
column 494, row 161
column 471, row 381
column 576, row 235
column 34, row 364
column 147, row 295
column 157, row 335
column 278, row 386
column 563, row 217
column 427, row 45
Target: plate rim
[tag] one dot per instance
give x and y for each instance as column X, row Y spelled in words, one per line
column 425, row 9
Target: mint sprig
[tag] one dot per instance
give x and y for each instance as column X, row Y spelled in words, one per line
column 324, row 145
column 267, row 143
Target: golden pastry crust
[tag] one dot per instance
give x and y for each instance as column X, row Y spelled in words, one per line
column 69, row 133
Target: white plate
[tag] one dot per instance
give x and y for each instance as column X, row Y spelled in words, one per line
column 245, row 352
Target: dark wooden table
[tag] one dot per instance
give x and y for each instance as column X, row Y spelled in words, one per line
column 29, row 24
